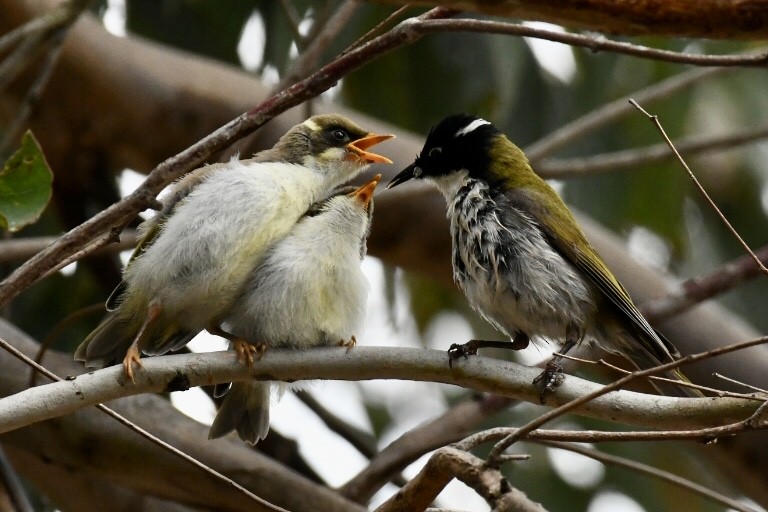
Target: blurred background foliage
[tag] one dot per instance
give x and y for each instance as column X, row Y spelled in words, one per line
column 503, row 80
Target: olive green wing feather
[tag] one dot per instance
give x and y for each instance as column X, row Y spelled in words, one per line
column 564, row 234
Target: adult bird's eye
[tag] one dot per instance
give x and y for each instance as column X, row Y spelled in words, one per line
column 339, row 135
column 435, row 152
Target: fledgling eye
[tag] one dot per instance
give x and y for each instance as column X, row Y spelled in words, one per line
column 339, row 135
column 435, row 152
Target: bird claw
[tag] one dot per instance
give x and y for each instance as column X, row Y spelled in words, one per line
column 350, row 343
column 549, row 380
column 464, row 350
column 246, row 351
column 131, row 356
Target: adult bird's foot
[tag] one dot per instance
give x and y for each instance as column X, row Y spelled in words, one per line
column 132, row 356
column 550, row 379
column 246, row 351
column 465, row 350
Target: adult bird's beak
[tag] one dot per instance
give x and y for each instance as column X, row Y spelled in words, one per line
column 410, row 172
column 364, row 194
column 357, row 149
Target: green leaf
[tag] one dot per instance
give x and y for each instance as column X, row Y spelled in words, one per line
column 25, row 185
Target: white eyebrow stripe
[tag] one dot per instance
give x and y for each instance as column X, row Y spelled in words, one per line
column 474, row 125
column 309, row 123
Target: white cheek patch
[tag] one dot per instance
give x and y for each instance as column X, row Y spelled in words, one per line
column 309, row 123
column 474, row 125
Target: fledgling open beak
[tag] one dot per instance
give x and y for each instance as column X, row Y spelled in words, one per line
column 364, row 194
column 357, row 149
column 410, row 172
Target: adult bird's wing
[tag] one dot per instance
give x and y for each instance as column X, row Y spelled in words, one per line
column 564, row 234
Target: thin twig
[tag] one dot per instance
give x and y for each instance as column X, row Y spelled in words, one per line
column 33, row 94
column 19, row 249
column 638, row 157
column 655, row 120
column 645, row 469
column 311, row 55
column 614, row 111
column 739, row 383
column 502, row 445
column 378, row 29
column 62, row 15
column 146, row 434
column 294, row 20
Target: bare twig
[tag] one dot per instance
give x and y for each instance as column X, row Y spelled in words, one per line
column 655, row 120
column 505, row 443
column 260, row 503
column 311, row 55
column 35, row 91
column 739, row 383
column 637, row 157
column 645, row 469
column 378, row 29
column 62, row 15
column 447, row 463
column 294, row 20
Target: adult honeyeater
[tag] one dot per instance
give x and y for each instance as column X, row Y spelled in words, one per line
column 308, row 291
column 520, row 257
column 218, row 222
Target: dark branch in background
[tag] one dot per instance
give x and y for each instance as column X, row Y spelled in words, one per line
column 595, row 44
column 14, row 486
column 636, row 157
column 645, row 469
column 258, row 502
column 695, row 290
column 655, row 120
column 20, row 249
column 613, row 111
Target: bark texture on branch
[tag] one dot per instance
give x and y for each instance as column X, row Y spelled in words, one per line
column 721, row 19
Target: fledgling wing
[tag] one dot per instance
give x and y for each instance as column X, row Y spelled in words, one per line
column 153, row 227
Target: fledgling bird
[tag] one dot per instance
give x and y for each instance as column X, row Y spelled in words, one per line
column 520, row 257
column 197, row 253
column 308, row 291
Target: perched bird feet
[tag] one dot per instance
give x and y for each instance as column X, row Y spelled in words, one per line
column 455, row 351
column 246, row 351
column 550, row 379
column 350, row 343
column 132, row 356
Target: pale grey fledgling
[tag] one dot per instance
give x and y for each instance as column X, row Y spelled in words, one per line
column 197, row 253
column 308, row 291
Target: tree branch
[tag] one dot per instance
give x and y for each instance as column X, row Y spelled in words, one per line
column 174, row 373
column 726, row 19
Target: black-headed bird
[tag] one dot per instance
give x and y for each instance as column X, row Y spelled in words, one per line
column 520, row 257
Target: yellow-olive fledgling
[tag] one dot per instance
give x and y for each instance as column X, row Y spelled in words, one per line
column 218, row 222
column 520, row 257
column 308, row 291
